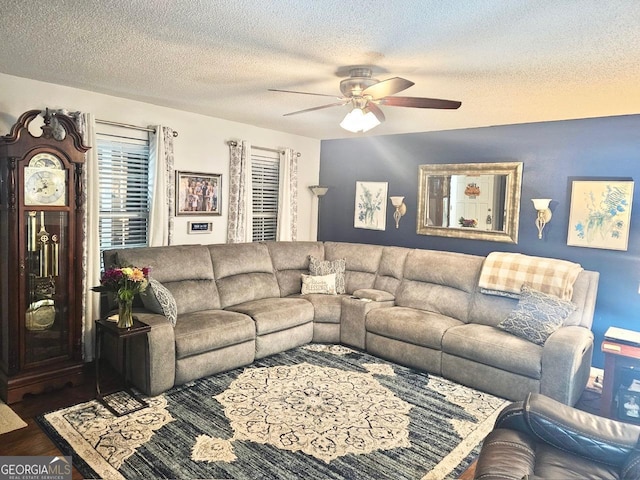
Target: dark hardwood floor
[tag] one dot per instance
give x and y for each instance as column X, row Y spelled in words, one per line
column 31, row 440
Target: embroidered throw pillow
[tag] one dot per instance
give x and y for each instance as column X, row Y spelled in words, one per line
column 537, row 315
column 325, row 284
column 326, row 267
column 158, row 299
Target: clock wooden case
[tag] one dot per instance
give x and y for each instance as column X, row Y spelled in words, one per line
column 41, row 238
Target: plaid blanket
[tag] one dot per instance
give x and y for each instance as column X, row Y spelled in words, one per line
column 505, row 273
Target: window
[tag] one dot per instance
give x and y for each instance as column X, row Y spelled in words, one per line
column 265, row 177
column 123, row 165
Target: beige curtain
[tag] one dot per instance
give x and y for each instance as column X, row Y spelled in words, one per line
column 239, row 225
column 288, row 197
column 163, row 186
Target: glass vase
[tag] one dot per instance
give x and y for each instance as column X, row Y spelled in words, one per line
column 125, row 313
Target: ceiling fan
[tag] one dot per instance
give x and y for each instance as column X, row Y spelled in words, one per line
column 366, row 93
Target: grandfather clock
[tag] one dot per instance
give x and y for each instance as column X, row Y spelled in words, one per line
column 41, row 233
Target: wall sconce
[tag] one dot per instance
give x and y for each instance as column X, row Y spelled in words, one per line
column 544, row 213
column 401, row 208
column 318, row 190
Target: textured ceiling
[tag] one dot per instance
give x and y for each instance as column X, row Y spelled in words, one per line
column 508, row 61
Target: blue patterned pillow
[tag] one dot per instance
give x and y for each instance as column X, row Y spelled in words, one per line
column 537, row 315
column 158, row 299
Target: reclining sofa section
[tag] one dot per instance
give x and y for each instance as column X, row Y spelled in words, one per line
column 419, row 308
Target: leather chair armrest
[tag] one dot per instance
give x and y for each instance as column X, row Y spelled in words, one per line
column 506, row 455
column 631, row 468
column 566, row 428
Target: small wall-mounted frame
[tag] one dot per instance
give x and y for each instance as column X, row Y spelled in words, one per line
column 198, row 193
column 199, row 227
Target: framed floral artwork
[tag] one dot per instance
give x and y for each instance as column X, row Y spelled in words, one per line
column 600, row 214
column 198, row 193
column 371, row 205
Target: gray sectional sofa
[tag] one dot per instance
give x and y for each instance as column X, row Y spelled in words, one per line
column 419, row 308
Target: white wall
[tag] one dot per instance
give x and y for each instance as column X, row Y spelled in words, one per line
column 200, row 147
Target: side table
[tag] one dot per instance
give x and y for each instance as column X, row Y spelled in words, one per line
column 124, row 401
column 621, row 353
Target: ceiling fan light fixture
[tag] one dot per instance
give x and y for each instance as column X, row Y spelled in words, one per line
column 358, row 121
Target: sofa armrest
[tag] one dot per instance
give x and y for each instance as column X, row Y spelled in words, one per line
column 572, row 430
column 374, row 295
column 566, row 363
column 153, row 356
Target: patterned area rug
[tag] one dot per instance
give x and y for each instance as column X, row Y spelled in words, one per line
column 317, row 412
column 9, row 420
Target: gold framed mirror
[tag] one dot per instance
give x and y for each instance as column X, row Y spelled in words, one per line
column 477, row 201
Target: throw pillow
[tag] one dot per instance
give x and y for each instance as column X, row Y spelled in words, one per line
column 158, row 299
column 325, row 284
column 537, row 315
column 325, row 267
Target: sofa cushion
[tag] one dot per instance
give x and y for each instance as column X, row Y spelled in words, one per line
column 362, row 262
column 276, row 314
column 391, row 268
column 321, row 284
column 290, row 260
column 243, row 272
column 537, row 315
column 494, row 347
column 327, row 267
column 185, row 270
column 172, row 263
column 327, row 308
column 441, row 282
column 157, row 299
column 194, row 295
column 410, row 325
column 207, row 330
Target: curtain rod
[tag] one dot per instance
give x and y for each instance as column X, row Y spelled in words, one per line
column 233, row 143
column 127, row 125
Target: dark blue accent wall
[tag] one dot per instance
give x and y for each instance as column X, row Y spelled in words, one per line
column 554, row 154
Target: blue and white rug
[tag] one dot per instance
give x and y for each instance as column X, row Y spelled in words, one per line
column 316, row 412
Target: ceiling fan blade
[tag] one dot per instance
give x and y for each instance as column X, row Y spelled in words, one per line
column 419, row 102
column 376, row 111
column 337, row 104
column 387, row 87
column 302, row 93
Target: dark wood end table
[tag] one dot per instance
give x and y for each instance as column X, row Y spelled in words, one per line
column 621, row 352
column 123, row 401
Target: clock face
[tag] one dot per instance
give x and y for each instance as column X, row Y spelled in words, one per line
column 45, row 160
column 44, row 186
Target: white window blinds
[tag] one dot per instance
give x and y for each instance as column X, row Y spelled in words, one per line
column 124, row 191
column 265, row 173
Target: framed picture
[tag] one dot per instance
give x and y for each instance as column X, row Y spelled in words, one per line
column 600, row 214
column 371, row 205
column 198, row 193
column 629, row 406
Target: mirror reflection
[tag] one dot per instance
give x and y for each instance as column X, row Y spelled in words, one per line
column 473, row 200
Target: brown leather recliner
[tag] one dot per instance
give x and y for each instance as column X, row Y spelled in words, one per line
column 542, row 438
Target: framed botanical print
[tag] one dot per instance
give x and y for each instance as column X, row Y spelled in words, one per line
column 600, row 214
column 198, row 193
column 371, row 205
